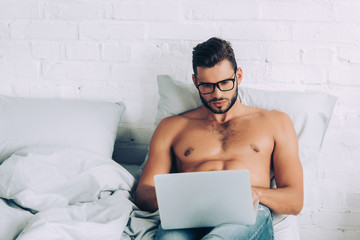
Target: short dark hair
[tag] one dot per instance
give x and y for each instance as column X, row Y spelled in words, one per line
column 211, row 52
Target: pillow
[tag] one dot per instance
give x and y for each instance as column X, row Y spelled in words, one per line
column 175, row 97
column 28, row 122
column 309, row 111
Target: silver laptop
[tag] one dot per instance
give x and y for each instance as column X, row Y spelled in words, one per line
column 205, row 199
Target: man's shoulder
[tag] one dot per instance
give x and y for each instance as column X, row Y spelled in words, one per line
column 194, row 113
column 172, row 122
column 278, row 120
column 269, row 114
column 278, row 115
column 272, row 117
column 178, row 122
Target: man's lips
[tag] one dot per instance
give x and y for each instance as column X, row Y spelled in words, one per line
column 218, row 104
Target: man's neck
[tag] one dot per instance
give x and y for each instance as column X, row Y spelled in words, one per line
column 233, row 112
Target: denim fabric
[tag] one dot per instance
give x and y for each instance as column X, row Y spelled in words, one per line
column 261, row 230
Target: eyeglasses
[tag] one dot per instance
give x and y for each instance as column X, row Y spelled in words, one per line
column 224, row 85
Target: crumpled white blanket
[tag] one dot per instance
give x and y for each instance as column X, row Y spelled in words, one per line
column 71, row 194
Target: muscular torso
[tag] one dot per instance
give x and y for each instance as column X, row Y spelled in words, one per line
column 245, row 142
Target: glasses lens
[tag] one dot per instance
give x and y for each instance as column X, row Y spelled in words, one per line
column 226, row 85
column 206, row 88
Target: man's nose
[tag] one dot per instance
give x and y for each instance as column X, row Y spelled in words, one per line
column 217, row 92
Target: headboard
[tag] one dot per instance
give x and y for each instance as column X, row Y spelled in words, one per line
column 129, row 153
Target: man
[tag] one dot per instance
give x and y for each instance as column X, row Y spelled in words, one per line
column 223, row 135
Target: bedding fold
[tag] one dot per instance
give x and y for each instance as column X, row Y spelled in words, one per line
column 141, row 225
column 105, row 218
column 73, row 193
column 12, row 219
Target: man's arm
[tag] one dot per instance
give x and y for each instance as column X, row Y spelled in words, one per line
column 288, row 197
column 159, row 162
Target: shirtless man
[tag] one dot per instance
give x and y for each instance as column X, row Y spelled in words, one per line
column 224, row 134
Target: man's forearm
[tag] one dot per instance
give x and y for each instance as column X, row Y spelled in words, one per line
column 145, row 198
column 286, row 200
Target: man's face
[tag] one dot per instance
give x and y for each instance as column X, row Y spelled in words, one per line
column 218, row 101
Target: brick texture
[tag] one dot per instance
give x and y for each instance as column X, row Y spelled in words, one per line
column 113, row 50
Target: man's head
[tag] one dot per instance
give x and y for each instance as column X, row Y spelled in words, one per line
column 216, row 74
column 211, row 52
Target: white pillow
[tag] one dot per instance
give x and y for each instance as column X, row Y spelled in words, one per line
column 175, row 97
column 309, row 111
column 28, row 122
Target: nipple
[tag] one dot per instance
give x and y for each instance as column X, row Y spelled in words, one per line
column 255, row 148
column 188, row 151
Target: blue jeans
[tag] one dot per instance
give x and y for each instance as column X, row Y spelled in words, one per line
column 261, row 230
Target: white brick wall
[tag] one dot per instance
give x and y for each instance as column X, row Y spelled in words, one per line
column 113, row 50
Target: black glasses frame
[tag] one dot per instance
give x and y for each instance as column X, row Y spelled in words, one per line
column 217, row 85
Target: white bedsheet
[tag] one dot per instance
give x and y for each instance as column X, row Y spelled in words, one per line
column 72, row 193
column 69, row 193
column 12, row 220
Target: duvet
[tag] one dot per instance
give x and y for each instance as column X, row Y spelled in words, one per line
column 64, row 193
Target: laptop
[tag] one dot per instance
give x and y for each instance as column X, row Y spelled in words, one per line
column 205, row 199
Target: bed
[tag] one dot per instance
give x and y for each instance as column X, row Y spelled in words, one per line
column 63, row 175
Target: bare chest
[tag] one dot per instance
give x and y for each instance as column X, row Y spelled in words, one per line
column 231, row 142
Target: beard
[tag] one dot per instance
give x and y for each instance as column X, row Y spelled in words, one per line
column 207, row 104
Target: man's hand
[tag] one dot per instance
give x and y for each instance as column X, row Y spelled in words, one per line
column 280, row 200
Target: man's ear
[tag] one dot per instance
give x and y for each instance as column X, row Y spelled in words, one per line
column 239, row 75
column 194, row 79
